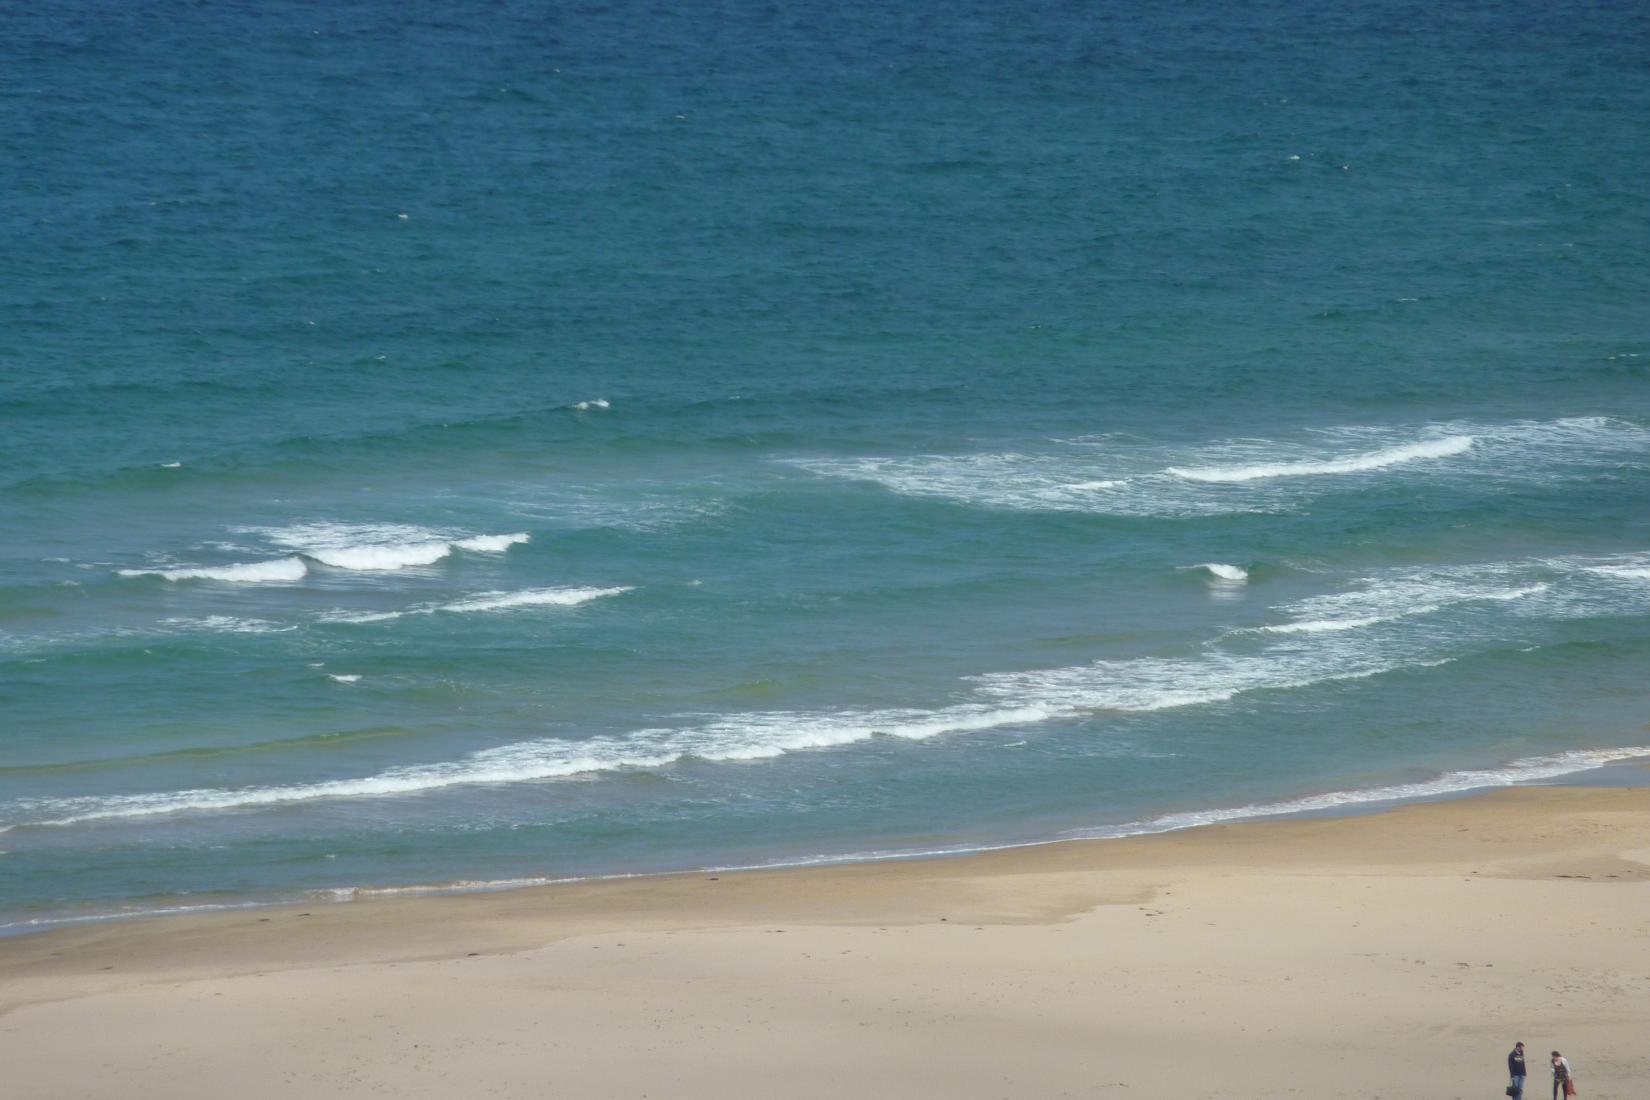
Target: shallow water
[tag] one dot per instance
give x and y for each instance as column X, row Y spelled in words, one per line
column 551, row 443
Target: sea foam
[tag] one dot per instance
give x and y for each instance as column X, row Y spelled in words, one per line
column 1322, row 645
column 1625, row 572
column 531, row 597
column 487, row 601
column 1531, row 769
column 492, row 544
column 746, row 737
column 381, row 547
column 1350, row 464
column 1127, row 476
column 1001, row 700
column 228, row 624
column 281, row 571
column 1405, row 594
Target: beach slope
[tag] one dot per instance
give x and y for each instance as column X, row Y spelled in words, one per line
column 1395, row 955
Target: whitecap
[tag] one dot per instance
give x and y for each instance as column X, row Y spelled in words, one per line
column 1231, row 574
column 1626, row 572
column 740, row 738
column 1402, row 594
column 486, row 601
column 531, row 597
column 1002, row 700
column 1060, row 482
column 280, row 571
column 1351, row 464
column 228, row 624
column 1126, row 476
column 344, row 677
column 381, row 547
column 1324, row 626
column 493, row 544
column 341, row 616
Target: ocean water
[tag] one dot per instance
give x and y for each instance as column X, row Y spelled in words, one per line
column 512, row 442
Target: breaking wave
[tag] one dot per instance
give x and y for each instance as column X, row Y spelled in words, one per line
column 228, row 624
column 1000, row 700
column 1402, row 595
column 378, row 547
column 339, row 546
column 280, row 571
column 1125, row 476
column 489, row 601
column 1352, row 464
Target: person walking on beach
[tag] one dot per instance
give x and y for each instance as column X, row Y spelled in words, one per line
column 1563, row 1084
column 1515, row 1070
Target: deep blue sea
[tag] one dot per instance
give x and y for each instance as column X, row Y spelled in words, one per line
column 498, row 442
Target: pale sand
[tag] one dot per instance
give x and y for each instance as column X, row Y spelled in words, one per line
column 1393, row 955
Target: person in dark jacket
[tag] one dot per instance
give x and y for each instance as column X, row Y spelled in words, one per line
column 1515, row 1070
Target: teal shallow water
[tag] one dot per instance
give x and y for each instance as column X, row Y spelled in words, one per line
column 439, row 449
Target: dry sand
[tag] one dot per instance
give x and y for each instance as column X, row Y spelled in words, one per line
column 1391, row 955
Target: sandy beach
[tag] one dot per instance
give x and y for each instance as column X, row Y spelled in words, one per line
column 1392, row 955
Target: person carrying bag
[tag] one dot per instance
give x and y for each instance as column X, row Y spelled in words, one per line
column 1564, row 1083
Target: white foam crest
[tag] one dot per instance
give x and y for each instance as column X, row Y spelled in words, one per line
column 345, row 677
column 1399, row 595
column 1222, row 572
column 1009, row 700
column 381, row 547
column 1564, row 434
column 487, row 601
column 1527, row 770
column 595, row 403
column 373, row 558
column 493, row 544
column 1326, row 626
column 228, row 624
column 761, row 735
column 1125, row 476
column 1635, row 568
column 279, row 571
column 744, row 737
column 1061, row 482
column 1146, row 684
column 531, row 597
column 1351, row 464
column 366, row 616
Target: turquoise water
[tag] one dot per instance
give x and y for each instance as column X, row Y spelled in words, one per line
column 445, row 445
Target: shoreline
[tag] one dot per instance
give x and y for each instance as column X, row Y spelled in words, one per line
column 1187, row 963
column 1627, row 766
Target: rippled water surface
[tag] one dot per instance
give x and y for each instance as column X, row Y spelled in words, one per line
column 500, row 445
